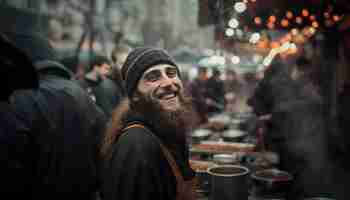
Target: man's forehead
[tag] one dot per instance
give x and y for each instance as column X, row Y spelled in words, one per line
column 159, row 67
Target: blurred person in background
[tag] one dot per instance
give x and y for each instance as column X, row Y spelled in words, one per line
column 63, row 125
column 216, row 93
column 232, row 90
column 296, row 128
column 100, row 86
column 72, row 64
column 118, row 56
column 305, row 73
column 145, row 151
column 99, row 69
column 231, row 82
column 199, row 93
column 250, row 83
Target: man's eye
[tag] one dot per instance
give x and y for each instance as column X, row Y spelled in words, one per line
column 172, row 73
column 152, row 77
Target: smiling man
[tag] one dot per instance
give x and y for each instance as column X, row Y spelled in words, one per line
column 145, row 151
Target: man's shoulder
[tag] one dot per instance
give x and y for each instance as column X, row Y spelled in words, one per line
column 140, row 138
column 138, row 133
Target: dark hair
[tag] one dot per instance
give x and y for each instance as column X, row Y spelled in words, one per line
column 98, row 60
column 216, row 72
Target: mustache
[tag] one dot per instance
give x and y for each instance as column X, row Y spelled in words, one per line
column 171, row 89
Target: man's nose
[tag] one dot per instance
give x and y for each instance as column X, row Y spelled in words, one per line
column 166, row 82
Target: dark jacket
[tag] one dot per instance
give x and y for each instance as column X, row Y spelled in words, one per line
column 13, row 144
column 64, row 130
column 106, row 94
column 138, row 168
column 216, row 92
column 198, row 90
column 296, row 131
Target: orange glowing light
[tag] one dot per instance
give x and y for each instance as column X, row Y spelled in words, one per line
column 312, row 30
column 275, row 44
column 262, row 44
column 257, row 20
column 253, row 1
column 299, row 20
column 293, row 50
column 315, row 24
column 312, row 17
column 289, row 14
column 284, row 23
column 272, row 19
column 294, row 31
column 336, row 18
column 305, row 12
column 299, row 39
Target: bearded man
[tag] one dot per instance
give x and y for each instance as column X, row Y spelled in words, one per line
column 144, row 150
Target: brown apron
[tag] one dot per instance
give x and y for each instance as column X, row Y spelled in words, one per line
column 185, row 189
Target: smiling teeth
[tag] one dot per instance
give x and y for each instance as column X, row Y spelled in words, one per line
column 169, row 96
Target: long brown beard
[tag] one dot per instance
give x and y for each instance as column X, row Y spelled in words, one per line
column 171, row 127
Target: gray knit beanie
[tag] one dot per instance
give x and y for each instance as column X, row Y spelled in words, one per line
column 138, row 61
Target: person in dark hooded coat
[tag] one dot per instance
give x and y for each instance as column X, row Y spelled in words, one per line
column 13, row 136
column 296, row 130
column 64, row 127
column 145, row 151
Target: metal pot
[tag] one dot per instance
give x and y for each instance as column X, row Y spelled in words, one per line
column 200, row 135
column 229, row 182
column 224, row 159
column 233, row 135
column 220, row 118
column 271, row 183
column 236, row 123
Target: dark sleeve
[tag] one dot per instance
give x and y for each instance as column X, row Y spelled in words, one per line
column 13, row 152
column 138, row 170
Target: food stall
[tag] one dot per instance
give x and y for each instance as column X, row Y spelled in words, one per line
column 226, row 154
